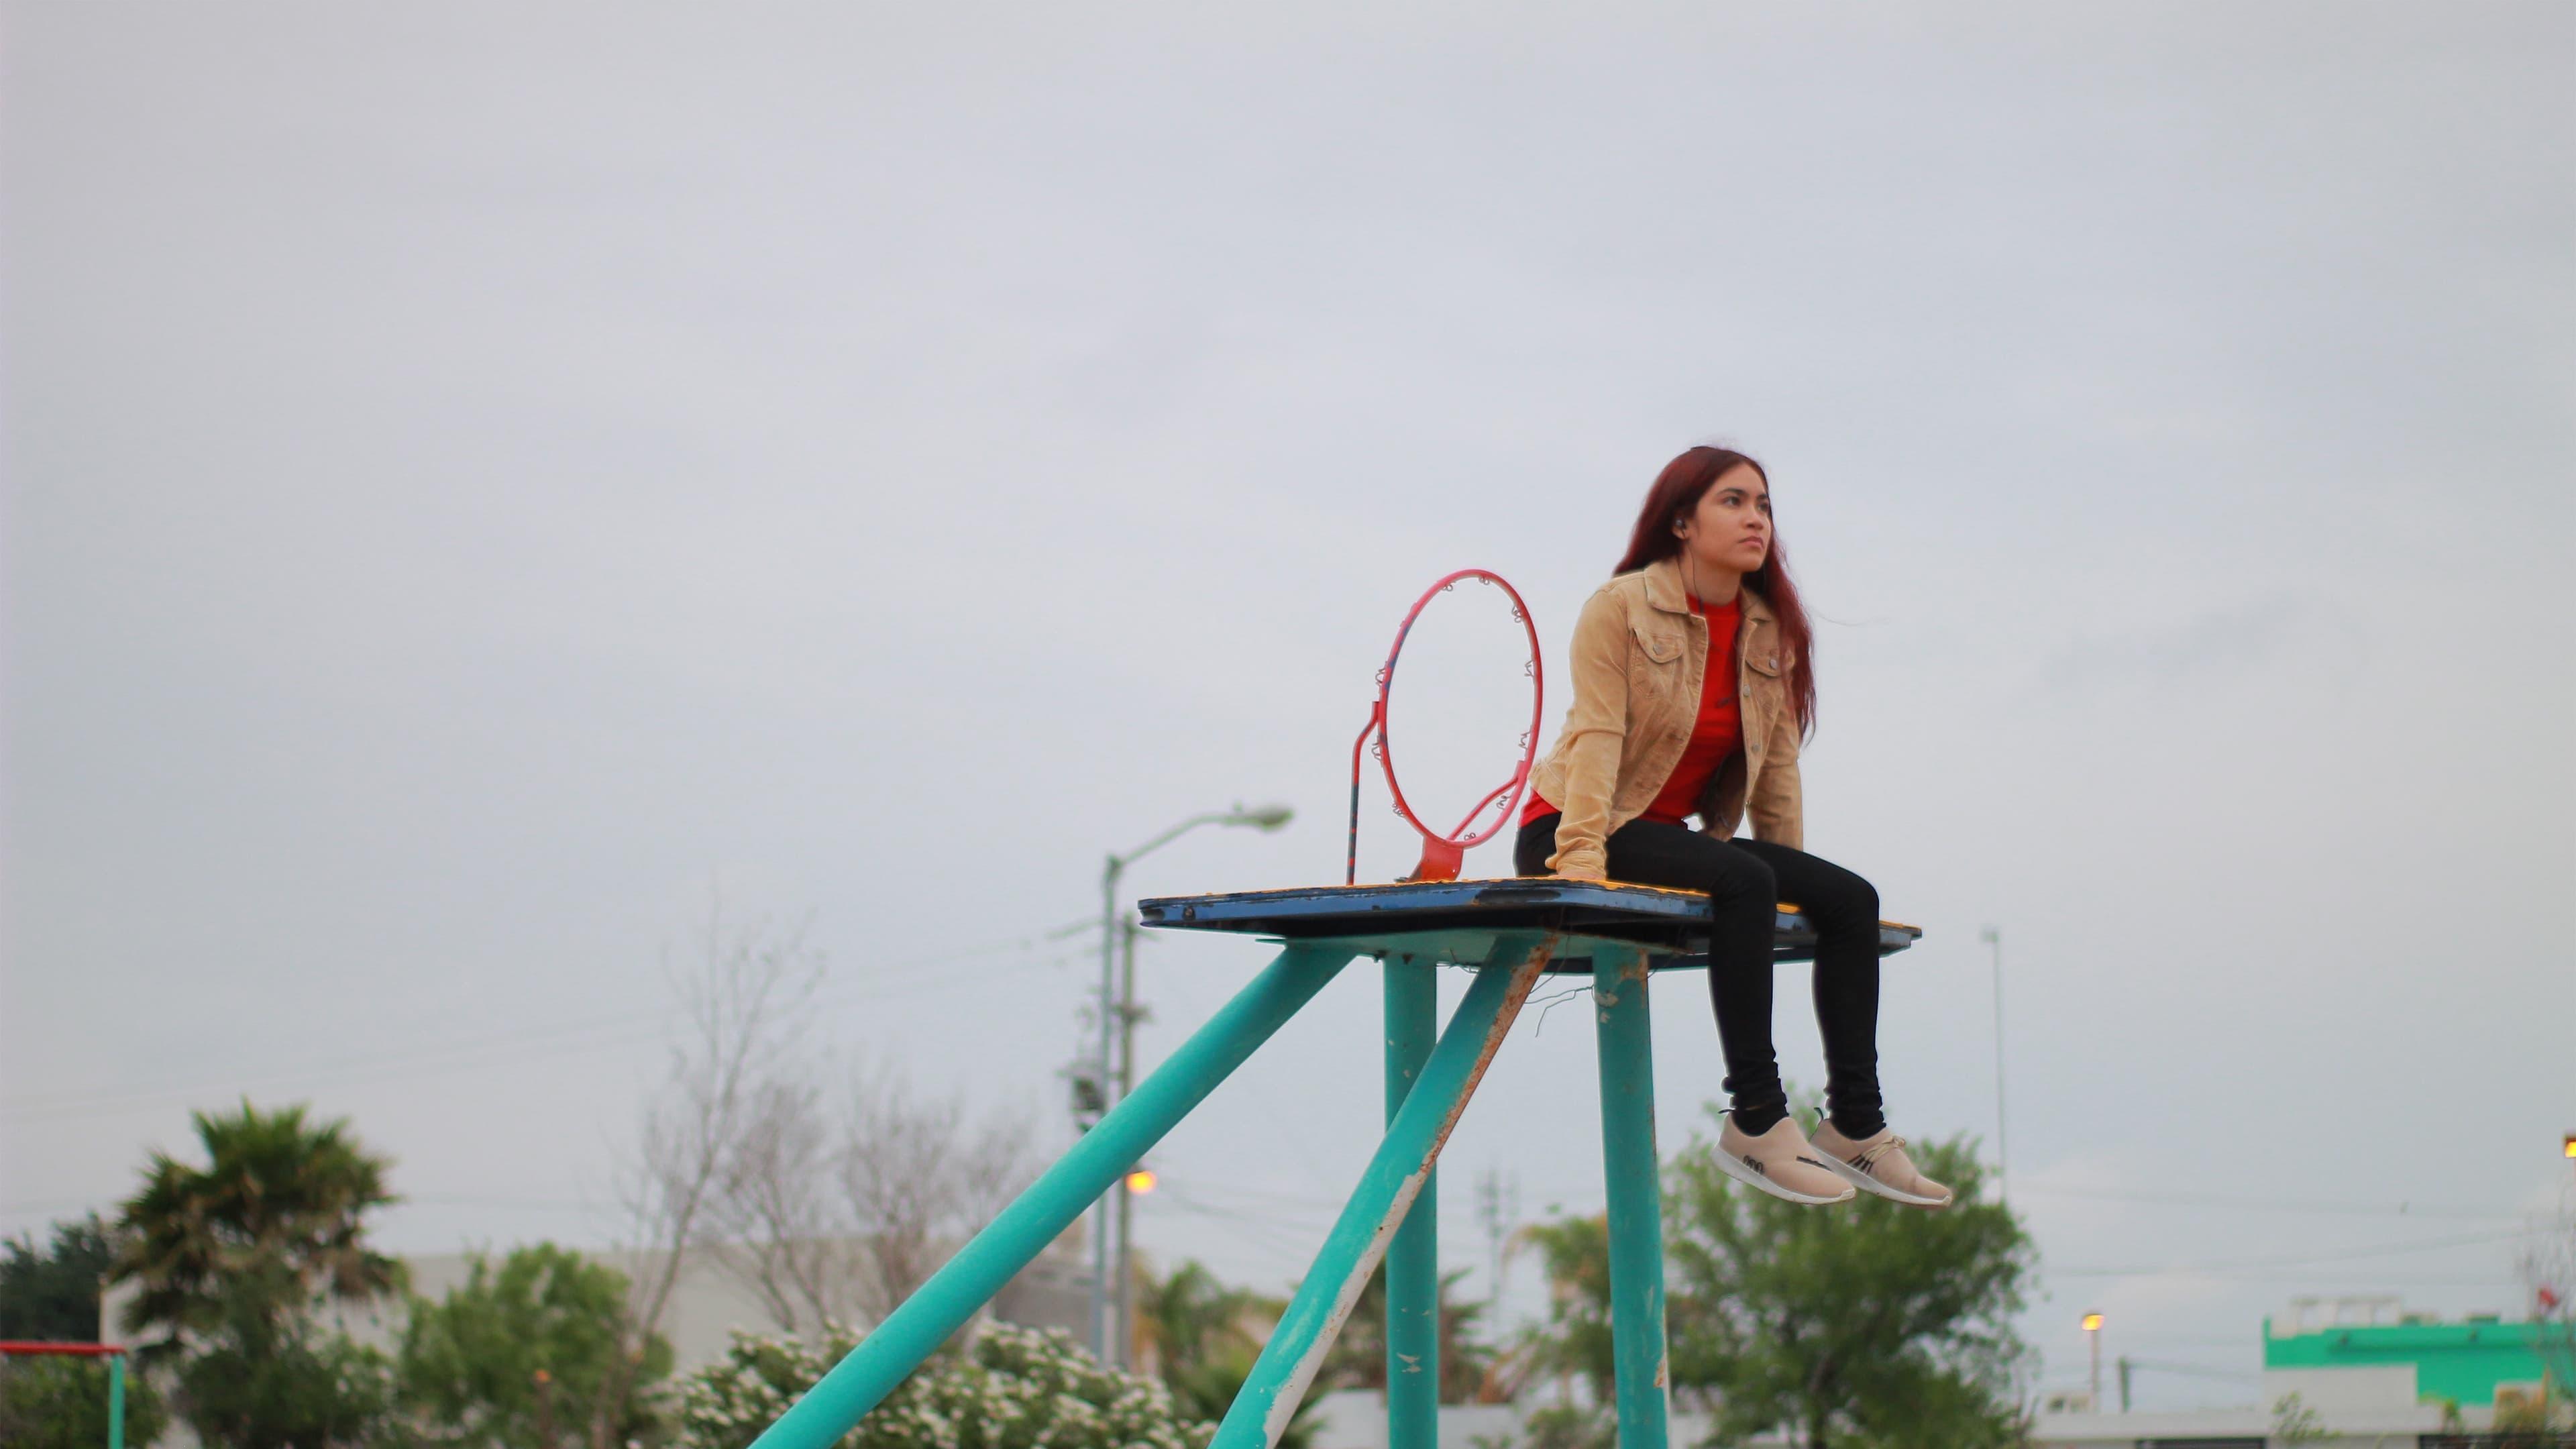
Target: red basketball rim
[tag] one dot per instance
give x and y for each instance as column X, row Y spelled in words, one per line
column 1442, row 855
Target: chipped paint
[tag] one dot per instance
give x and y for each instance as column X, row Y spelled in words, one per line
column 1412, row 1362
column 1642, row 1368
column 1279, row 1399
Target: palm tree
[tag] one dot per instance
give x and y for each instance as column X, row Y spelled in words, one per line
column 245, row 1245
column 1205, row 1337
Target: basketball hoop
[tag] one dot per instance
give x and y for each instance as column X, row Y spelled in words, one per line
column 1444, row 855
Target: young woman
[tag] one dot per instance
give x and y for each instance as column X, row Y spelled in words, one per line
column 1693, row 687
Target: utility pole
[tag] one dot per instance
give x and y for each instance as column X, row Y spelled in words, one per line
column 1993, row 936
column 1498, row 1207
column 1128, row 1013
column 545, row 1410
column 2124, row 1383
column 2093, row 1337
column 1105, row 1213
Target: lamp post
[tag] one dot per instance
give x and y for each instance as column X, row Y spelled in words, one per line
column 1112, row 1011
column 1122, row 1304
column 1993, row 936
column 2093, row 1336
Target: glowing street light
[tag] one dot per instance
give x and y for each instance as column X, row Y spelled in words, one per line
column 2093, row 1336
column 1117, row 1070
column 1141, row 1181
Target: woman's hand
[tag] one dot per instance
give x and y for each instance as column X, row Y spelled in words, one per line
column 1590, row 875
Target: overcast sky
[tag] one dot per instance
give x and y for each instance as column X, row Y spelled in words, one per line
column 482, row 482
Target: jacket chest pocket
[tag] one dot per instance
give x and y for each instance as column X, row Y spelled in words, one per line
column 1654, row 657
column 1657, row 664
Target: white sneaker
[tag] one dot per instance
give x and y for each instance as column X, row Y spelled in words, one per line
column 1780, row 1163
column 1878, row 1164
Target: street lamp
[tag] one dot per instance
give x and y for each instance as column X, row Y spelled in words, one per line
column 1119, row 1007
column 2093, row 1336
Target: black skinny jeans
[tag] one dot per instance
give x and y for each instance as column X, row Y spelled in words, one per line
column 1743, row 879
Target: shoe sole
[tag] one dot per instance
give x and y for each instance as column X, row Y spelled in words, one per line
column 1734, row 1168
column 1869, row 1184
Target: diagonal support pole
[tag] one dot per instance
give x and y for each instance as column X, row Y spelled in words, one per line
column 1627, row 1046
column 1395, row 1176
column 1011, row 1241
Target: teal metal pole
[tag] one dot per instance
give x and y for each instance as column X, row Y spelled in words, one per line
column 941, row 1306
column 1413, row 1255
column 1627, row 1046
column 116, row 1401
column 1395, row 1176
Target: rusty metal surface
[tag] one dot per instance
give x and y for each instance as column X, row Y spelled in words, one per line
column 1457, row 922
column 1395, row 1177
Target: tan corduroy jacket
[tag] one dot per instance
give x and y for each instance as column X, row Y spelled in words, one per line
column 1638, row 657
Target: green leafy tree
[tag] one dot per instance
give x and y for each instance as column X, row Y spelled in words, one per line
column 232, row 1259
column 50, row 1294
column 1014, row 1388
column 51, row 1402
column 469, row 1366
column 298, row 1389
column 1574, row 1254
column 1868, row 1324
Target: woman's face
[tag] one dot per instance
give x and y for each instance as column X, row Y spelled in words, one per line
column 1731, row 527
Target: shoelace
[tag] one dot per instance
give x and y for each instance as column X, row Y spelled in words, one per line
column 1868, row 1160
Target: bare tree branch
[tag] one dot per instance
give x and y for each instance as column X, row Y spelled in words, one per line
column 2547, row 1266
column 830, row 1209
column 778, row 1223
column 742, row 1014
column 918, row 1184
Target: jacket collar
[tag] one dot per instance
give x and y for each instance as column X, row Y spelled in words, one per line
column 1664, row 591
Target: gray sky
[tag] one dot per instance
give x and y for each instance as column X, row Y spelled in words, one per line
column 479, row 480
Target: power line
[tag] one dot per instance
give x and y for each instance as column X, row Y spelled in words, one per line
column 2194, row 1369
column 2373, row 1283
column 2403, row 1209
column 1262, row 1232
column 630, row 1028
column 2376, row 1251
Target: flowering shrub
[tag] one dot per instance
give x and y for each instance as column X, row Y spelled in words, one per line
column 1017, row 1388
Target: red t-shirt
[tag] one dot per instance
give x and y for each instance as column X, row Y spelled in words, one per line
column 1714, row 735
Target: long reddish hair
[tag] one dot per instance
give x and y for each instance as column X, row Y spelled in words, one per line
column 1676, row 494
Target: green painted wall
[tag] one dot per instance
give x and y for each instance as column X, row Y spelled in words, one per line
column 2463, row 1361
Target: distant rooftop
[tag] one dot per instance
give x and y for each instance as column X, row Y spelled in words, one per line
column 2468, row 1359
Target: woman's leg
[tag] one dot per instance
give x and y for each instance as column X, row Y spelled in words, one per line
column 1844, row 909
column 1741, row 899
